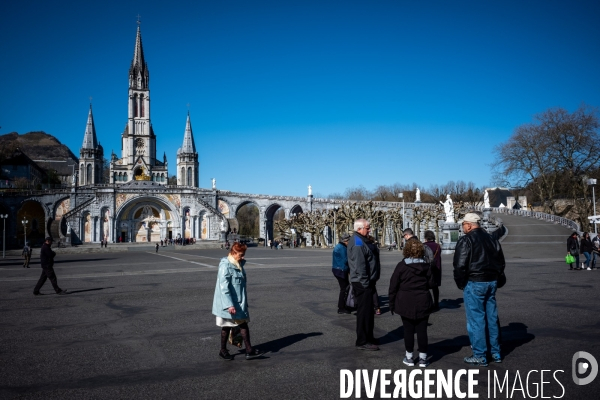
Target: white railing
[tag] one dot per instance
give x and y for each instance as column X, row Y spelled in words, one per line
column 537, row 215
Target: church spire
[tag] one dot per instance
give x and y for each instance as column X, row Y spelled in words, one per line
column 188, row 138
column 89, row 138
column 139, row 77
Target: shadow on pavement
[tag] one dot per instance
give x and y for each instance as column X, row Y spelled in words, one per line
column 446, row 347
column 451, row 304
column 393, row 336
column 90, row 290
column 514, row 335
column 275, row 345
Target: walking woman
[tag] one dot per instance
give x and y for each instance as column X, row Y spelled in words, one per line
column 410, row 298
column 587, row 249
column 573, row 249
column 230, row 303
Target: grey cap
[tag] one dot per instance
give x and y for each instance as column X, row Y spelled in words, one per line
column 345, row 237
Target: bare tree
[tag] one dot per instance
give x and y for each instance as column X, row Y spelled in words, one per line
column 553, row 155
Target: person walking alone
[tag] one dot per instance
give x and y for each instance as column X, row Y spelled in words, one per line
column 26, row 255
column 47, row 261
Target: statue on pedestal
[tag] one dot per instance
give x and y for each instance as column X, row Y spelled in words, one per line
column 448, row 209
column 214, row 183
column 309, row 190
column 486, row 199
column 418, row 195
column 223, row 225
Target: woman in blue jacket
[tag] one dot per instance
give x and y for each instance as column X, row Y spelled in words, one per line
column 339, row 267
column 230, row 304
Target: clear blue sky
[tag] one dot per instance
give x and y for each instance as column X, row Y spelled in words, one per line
column 284, row 94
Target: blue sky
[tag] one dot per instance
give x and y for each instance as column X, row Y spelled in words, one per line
column 284, row 94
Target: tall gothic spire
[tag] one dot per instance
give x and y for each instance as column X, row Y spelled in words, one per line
column 138, row 71
column 188, row 138
column 89, row 138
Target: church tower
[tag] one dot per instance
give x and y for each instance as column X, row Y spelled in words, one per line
column 91, row 155
column 138, row 142
column 187, row 159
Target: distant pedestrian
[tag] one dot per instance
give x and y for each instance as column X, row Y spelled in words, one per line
column 161, row 243
column 47, row 262
column 271, row 244
column 587, row 248
column 156, row 247
column 573, row 249
column 26, row 255
column 340, row 271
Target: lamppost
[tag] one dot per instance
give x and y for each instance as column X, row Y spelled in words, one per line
column 592, row 183
column 335, row 210
column 24, row 222
column 3, row 217
column 401, row 195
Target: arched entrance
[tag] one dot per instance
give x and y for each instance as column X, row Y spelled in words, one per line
column 247, row 216
column 148, row 219
column 34, row 229
column 274, row 212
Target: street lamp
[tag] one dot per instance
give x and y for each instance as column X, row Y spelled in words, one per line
column 401, row 195
column 24, row 222
column 592, row 183
column 3, row 217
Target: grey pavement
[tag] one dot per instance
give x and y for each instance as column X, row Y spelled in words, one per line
column 138, row 324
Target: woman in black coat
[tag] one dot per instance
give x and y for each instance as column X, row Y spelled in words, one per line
column 410, row 298
column 587, row 249
column 573, row 249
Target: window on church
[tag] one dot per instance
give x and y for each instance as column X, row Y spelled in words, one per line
column 135, row 105
column 141, row 105
column 125, row 177
column 88, row 175
column 189, row 176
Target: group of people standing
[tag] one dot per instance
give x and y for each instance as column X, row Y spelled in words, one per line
column 589, row 248
column 478, row 271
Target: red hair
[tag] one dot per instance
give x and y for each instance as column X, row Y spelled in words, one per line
column 238, row 248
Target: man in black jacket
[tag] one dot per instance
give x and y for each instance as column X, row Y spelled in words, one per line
column 363, row 262
column 47, row 261
column 478, row 263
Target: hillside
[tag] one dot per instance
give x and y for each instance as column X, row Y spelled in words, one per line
column 36, row 145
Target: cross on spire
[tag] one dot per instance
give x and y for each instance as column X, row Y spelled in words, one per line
column 138, row 20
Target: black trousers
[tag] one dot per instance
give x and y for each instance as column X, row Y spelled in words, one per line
column 343, row 282
column 420, row 327
column 365, row 318
column 47, row 273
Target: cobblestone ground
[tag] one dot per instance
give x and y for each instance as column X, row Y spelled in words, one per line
column 138, row 324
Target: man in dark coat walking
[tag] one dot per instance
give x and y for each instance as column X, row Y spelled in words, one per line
column 47, row 261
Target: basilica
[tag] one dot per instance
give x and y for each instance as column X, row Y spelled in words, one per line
column 136, row 203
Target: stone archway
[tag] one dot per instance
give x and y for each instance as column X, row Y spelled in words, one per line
column 35, row 228
column 147, row 219
column 248, row 219
column 270, row 212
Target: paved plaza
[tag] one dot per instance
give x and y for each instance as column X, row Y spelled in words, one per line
column 138, row 324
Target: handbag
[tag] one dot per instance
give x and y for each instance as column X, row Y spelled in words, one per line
column 350, row 298
column 569, row 259
column 235, row 336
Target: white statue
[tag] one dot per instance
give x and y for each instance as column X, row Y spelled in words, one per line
column 214, row 183
column 418, row 195
column 309, row 190
column 74, row 180
column 223, row 225
column 448, row 209
column 486, row 199
column 68, row 228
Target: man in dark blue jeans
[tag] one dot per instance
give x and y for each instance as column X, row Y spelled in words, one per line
column 478, row 264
